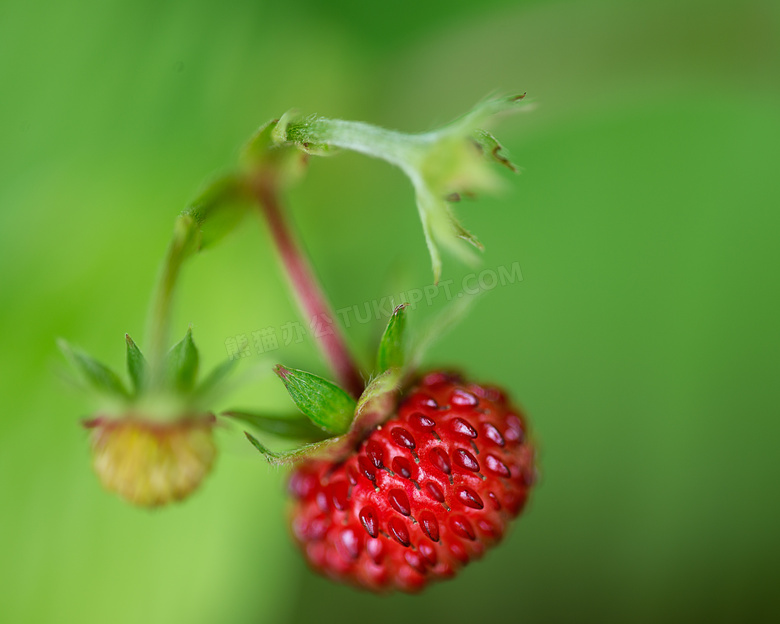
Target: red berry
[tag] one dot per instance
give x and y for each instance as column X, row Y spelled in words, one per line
column 422, row 495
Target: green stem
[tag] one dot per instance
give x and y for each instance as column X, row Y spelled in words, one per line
column 397, row 148
column 158, row 324
column 440, row 164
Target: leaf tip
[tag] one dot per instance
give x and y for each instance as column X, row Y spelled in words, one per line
column 255, row 442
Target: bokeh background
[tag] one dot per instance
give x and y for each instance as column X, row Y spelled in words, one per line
column 643, row 340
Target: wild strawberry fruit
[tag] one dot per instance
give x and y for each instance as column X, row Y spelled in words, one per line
column 422, row 495
column 152, row 443
column 412, row 484
column 149, row 463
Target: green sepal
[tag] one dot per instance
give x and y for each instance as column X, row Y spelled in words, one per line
column 267, row 453
column 480, row 115
column 267, row 152
column 183, row 364
column 257, row 149
column 295, row 427
column 441, row 227
column 219, row 209
column 463, row 234
column 214, row 379
column 136, row 366
column 377, row 401
column 99, row 377
column 392, row 348
column 330, row 448
column 441, row 164
column 493, row 150
column 324, row 403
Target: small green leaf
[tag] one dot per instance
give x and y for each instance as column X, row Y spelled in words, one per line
column 392, row 348
column 295, row 427
column 269, row 455
column 97, row 375
column 136, row 365
column 463, row 234
column 220, row 208
column 269, row 152
column 482, row 113
column 324, row 403
column 430, row 241
column 257, row 149
column 330, row 449
column 493, row 149
column 377, row 402
column 183, row 363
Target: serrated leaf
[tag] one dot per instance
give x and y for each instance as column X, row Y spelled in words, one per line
column 392, row 348
column 183, row 362
column 97, row 375
column 136, row 365
column 323, row 402
column 295, row 426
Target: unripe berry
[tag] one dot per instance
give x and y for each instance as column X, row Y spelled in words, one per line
column 152, row 463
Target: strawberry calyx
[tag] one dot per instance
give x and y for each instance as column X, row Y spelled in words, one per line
column 376, row 404
column 340, row 421
column 168, row 393
column 331, row 423
column 442, row 165
column 151, row 440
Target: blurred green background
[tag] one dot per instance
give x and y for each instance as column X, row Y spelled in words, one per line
column 643, row 340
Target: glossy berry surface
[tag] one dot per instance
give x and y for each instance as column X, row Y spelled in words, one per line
column 423, row 494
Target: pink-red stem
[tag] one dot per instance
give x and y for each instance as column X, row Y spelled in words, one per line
column 308, row 291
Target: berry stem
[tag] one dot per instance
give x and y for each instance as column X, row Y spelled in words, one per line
column 397, row 148
column 180, row 247
column 308, row 292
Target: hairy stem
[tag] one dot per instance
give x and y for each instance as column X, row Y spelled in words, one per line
column 397, row 148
